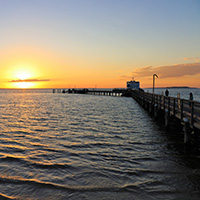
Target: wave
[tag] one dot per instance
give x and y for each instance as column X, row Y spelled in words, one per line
column 52, row 166
column 19, row 132
column 74, row 188
column 36, row 164
column 5, row 197
column 9, row 158
column 136, row 187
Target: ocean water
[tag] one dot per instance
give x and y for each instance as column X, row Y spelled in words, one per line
column 71, row 146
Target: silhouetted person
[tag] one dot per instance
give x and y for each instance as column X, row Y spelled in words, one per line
column 190, row 98
column 166, row 93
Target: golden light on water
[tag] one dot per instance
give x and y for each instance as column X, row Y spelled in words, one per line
column 24, row 85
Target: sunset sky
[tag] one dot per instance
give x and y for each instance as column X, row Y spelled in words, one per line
column 99, row 43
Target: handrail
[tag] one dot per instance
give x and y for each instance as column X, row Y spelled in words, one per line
column 181, row 108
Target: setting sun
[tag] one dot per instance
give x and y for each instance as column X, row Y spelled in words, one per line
column 23, row 71
column 22, row 78
column 23, row 75
column 25, row 85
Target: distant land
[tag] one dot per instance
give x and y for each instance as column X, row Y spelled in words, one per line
column 174, row 87
column 181, row 87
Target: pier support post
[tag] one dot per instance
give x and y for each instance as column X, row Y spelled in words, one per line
column 167, row 119
column 192, row 114
column 147, row 105
column 187, row 134
column 151, row 109
column 143, row 103
column 155, row 111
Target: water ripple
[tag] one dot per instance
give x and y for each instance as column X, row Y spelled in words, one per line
column 58, row 146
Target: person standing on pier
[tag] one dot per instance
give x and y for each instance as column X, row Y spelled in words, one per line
column 166, row 93
column 190, row 98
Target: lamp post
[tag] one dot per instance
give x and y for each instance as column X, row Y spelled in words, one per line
column 155, row 75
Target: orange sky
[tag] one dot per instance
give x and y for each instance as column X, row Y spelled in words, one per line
column 46, row 69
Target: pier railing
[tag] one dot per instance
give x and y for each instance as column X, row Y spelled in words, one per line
column 180, row 108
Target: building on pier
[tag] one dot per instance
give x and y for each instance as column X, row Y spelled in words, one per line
column 133, row 85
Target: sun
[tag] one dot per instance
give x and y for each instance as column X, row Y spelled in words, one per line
column 22, row 75
column 24, row 85
column 21, row 78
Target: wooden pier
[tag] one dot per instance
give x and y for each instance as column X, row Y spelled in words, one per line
column 180, row 115
column 180, row 108
column 106, row 93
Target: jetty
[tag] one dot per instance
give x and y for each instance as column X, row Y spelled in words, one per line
column 155, row 104
column 177, row 115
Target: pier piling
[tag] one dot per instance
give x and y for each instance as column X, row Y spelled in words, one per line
column 155, row 111
column 167, row 119
column 187, row 134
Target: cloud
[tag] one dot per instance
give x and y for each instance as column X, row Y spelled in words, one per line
column 197, row 59
column 29, row 80
column 169, row 71
column 188, row 58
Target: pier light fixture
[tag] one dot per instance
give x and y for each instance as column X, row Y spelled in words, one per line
column 155, row 75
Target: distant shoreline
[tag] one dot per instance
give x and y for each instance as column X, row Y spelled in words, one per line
column 182, row 87
column 175, row 87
